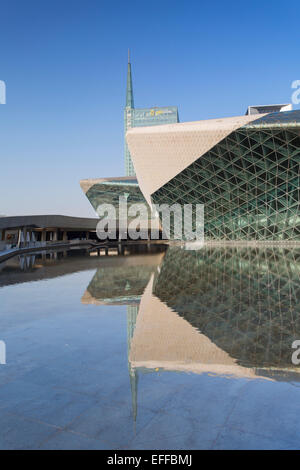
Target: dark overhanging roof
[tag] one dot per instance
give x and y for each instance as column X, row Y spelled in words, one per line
column 283, row 119
column 45, row 221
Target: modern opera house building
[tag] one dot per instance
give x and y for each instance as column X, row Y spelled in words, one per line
column 245, row 170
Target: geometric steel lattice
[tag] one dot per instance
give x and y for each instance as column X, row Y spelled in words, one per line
column 249, row 182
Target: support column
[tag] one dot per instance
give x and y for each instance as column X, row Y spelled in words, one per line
column 28, row 236
column 120, row 249
column 19, row 237
column 24, row 233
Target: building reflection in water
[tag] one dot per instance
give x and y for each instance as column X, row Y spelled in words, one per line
column 244, row 300
column 228, row 311
column 124, row 283
column 220, row 310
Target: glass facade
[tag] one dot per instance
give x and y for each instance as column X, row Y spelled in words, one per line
column 108, row 192
column 249, row 182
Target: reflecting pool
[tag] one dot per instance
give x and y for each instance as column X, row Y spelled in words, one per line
column 157, row 348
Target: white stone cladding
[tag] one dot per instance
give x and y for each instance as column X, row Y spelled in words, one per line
column 161, row 152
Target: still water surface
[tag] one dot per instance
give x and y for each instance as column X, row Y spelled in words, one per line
column 170, row 349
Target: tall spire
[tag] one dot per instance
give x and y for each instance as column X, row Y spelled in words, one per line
column 129, row 91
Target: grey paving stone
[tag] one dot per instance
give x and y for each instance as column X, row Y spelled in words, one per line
column 63, row 440
column 270, row 408
column 236, row 439
column 210, row 400
column 52, row 406
column 177, row 430
column 20, row 433
column 114, row 425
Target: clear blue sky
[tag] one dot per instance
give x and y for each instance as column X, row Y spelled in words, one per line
column 64, row 64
